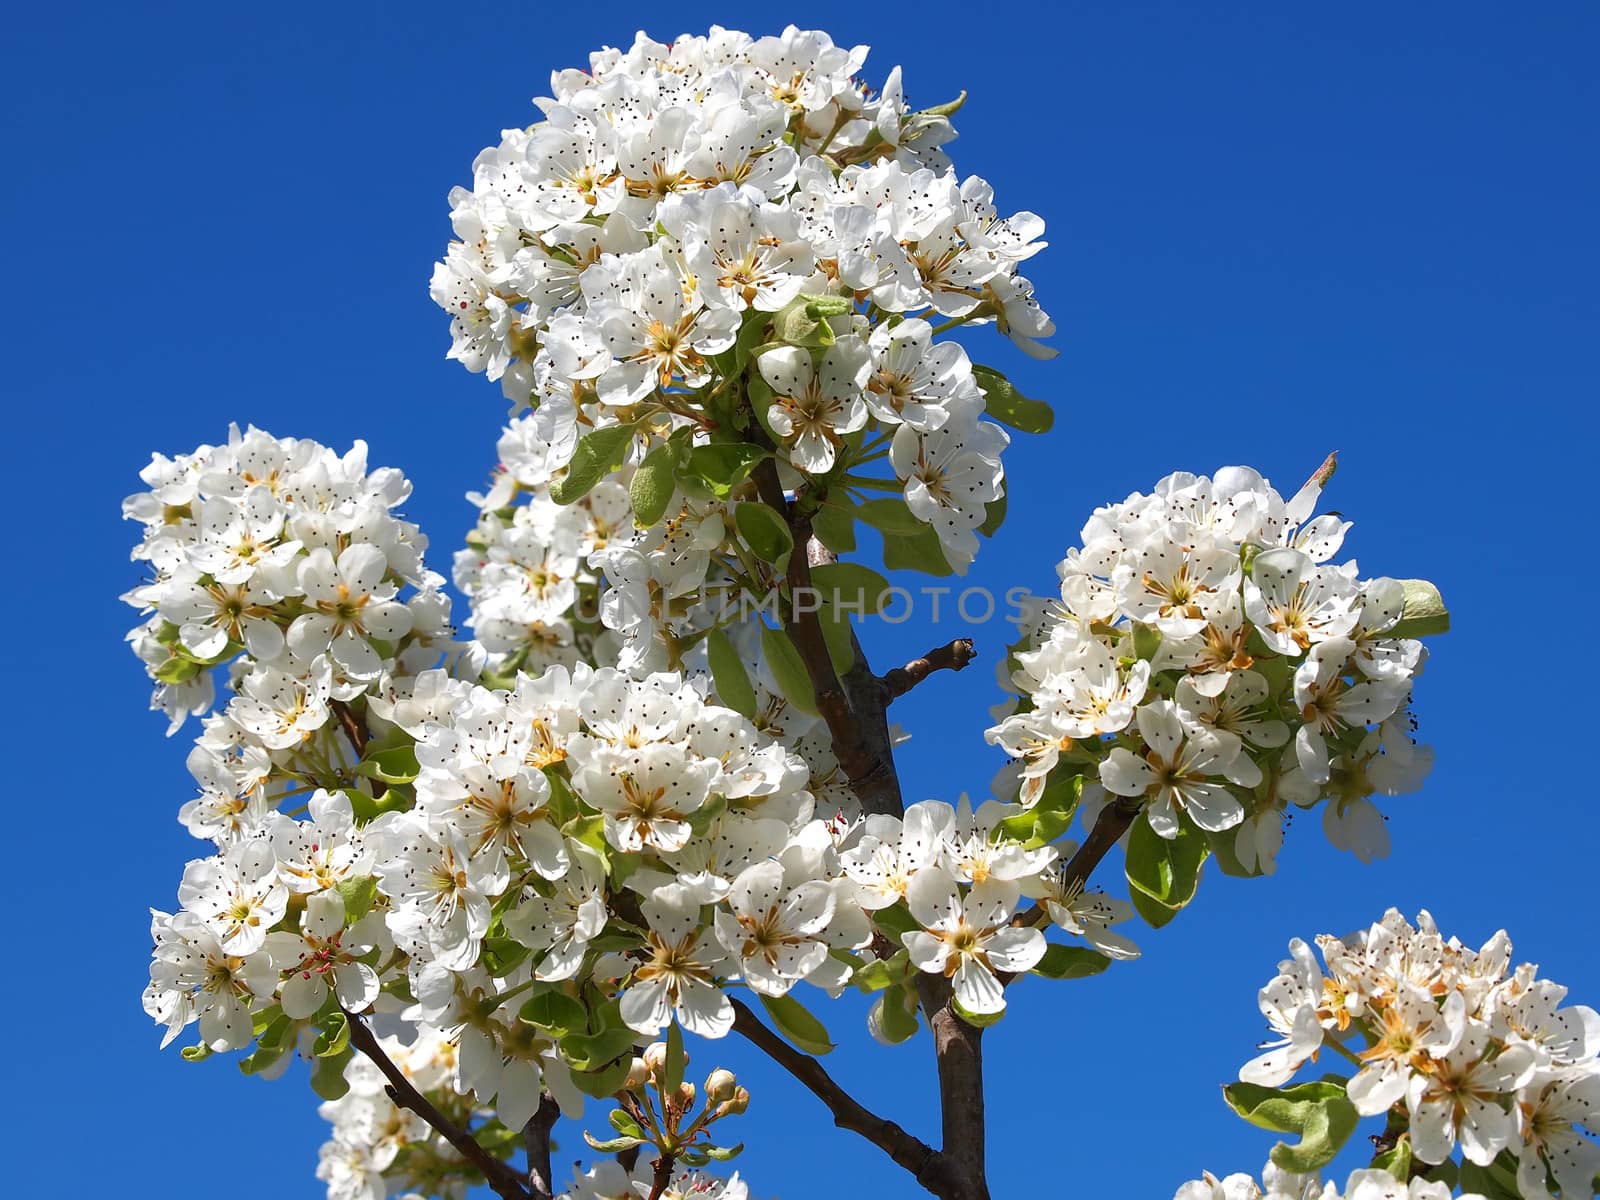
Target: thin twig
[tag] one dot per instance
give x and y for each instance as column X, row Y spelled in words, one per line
column 351, row 724
column 953, row 656
column 1113, row 821
column 501, row 1176
column 910, row 1152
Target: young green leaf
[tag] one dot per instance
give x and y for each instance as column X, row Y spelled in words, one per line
column 598, row 453
column 652, row 485
column 797, row 1024
column 788, row 670
column 728, row 674
column 1009, row 406
column 764, row 531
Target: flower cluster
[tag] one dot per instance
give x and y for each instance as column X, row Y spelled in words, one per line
column 1368, row 1183
column 285, row 550
column 731, row 235
column 1209, row 663
column 1475, row 1053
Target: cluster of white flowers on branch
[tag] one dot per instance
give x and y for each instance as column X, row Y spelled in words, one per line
column 1454, row 1047
column 687, row 212
column 1208, row 664
column 473, row 881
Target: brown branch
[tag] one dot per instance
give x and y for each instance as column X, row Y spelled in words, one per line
column 501, row 1176
column 352, row 725
column 915, row 1155
column 959, row 1047
column 536, row 1139
column 663, row 1175
column 1114, row 821
column 953, row 656
column 853, row 708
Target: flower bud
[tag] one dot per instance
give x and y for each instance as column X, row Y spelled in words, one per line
column 655, row 1057
column 720, row 1086
column 638, row 1075
column 735, row 1104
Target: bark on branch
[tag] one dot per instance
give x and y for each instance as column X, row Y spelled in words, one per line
column 953, row 656
column 855, row 707
column 536, row 1138
column 852, row 706
column 501, row 1176
column 915, row 1155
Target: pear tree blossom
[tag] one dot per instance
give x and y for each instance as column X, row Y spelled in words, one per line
column 646, row 797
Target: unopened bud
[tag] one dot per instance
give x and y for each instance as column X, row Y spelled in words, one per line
column 638, row 1075
column 735, row 1104
column 686, row 1094
column 655, row 1057
column 720, row 1086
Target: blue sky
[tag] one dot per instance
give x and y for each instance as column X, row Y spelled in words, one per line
column 1276, row 231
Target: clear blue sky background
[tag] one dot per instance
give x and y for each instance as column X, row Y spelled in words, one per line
column 1275, row 232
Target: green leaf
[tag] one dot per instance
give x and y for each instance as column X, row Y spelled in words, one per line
column 728, row 674
column 555, row 1011
column 1489, row 1182
column 359, row 893
column 1009, row 406
column 591, row 1052
column 895, row 921
column 764, row 531
column 614, row 1145
column 1155, row 913
column 1070, row 962
column 1328, row 1127
column 837, row 635
column 829, row 306
column 395, row 766
column 889, row 515
column 1049, row 818
column 897, row 1013
column 270, row 1046
column 1424, row 612
column 333, row 1036
column 948, row 109
column 178, row 670
column 503, row 955
column 607, row 1081
column 624, row 1124
column 722, row 1153
column 1396, row 1160
column 1282, row 1110
column 883, row 972
column 722, row 465
column 652, row 484
column 788, row 670
column 327, row 1074
column 919, row 551
column 994, row 516
column 1167, row 870
column 851, row 586
column 676, row 1060
column 753, row 332
column 795, row 1022
column 598, row 453
column 198, row 1052
column 835, row 526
